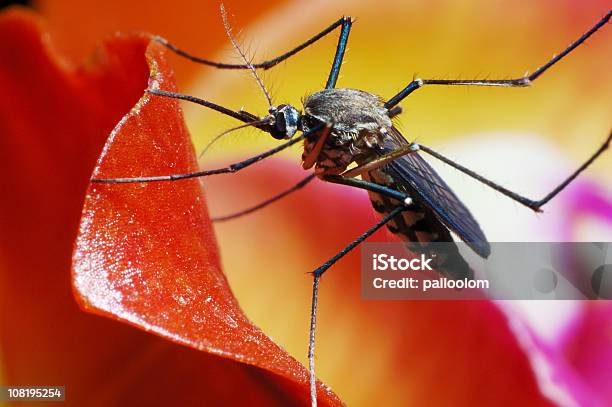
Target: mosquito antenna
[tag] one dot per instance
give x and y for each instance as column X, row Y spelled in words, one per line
column 265, row 120
column 228, row 30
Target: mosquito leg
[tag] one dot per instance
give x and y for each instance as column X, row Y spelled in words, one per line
column 381, row 161
column 394, row 111
column 344, row 22
column 519, row 82
column 243, row 116
column 265, row 203
column 225, row 170
column 340, row 48
column 309, row 158
column 369, row 186
column 535, row 205
column 315, row 294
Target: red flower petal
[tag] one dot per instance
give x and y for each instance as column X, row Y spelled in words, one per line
column 146, row 253
column 53, row 124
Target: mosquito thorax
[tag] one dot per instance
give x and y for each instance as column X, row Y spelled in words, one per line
column 357, row 118
column 286, row 121
column 350, row 110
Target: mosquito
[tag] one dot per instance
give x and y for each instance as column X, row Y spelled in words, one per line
column 342, row 128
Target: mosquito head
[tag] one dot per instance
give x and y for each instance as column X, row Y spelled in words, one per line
column 286, row 121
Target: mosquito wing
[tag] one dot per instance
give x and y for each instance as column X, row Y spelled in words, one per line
column 414, row 172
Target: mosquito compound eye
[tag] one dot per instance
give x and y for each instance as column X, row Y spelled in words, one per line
column 287, row 119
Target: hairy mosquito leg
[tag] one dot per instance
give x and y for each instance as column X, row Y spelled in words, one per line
column 310, row 158
column 267, row 202
column 534, row 205
column 381, row 161
column 519, row 82
column 243, row 116
column 369, row 186
column 225, row 170
column 315, row 294
column 394, row 111
column 342, row 22
column 340, row 49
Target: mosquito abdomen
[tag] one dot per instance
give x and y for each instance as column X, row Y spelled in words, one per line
column 419, row 226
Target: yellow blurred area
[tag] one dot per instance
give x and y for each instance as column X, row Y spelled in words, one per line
column 393, row 41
